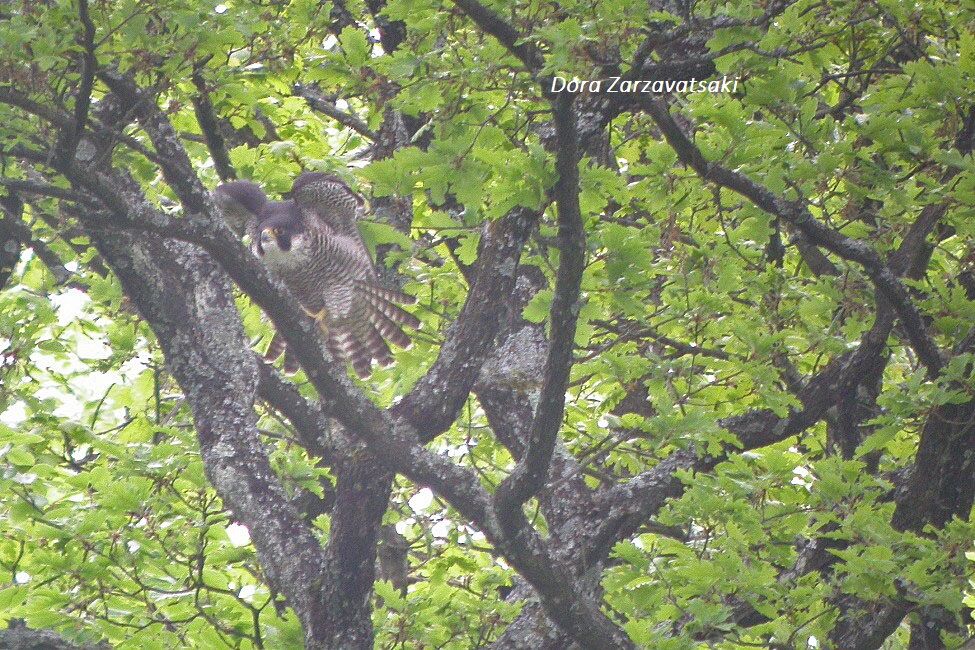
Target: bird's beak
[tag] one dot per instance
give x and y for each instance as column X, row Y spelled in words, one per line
column 269, row 235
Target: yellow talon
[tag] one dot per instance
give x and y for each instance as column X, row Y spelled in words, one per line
column 321, row 317
column 269, row 234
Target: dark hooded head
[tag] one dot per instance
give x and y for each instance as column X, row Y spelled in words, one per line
column 282, row 237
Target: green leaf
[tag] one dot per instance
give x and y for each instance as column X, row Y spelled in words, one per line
column 20, row 457
column 375, row 234
column 355, row 45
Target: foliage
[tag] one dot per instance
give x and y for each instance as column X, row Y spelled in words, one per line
column 109, row 528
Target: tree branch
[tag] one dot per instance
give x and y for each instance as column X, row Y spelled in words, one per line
column 626, row 506
column 13, row 237
column 506, row 34
column 530, row 473
column 307, row 417
column 437, row 398
column 326, row 106
column 189, row 303
column 46, row 189
column 206, row 117
column 795, row 213
column 72, row 131
column 13, row 229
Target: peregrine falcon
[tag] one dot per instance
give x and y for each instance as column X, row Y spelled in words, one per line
column 312, row 242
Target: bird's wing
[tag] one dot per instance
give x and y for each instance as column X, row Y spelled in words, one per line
column 328, row 199
column 240, row 203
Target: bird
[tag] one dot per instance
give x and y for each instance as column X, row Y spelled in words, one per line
column 240, row 203
column 312, row 242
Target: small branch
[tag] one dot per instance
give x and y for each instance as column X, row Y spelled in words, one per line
column 71, row 136
column 506, row 34
column 46, row 189
column 60, row 119
column 12, row 236
column 206, row 117
column 12, row 228
column 173, row 159
column 626, row 506
column 13, row 97
column 326, row 106
column 308, row 419
column 684, row 348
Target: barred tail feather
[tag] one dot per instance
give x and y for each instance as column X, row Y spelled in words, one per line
column 393, row 311
column 376, row 346
column 291, row 364
column 334, row 343
column 358, row 346
column 389, row 295
column 388, row 328
column 360, row 355
column 275, row 347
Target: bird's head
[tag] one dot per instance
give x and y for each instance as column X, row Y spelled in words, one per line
column 282, row 239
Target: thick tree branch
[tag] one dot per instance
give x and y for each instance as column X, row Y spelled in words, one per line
column 361, row 497
column 18, row 636
column 941, row 485
column 189, row 303
column 437, row 398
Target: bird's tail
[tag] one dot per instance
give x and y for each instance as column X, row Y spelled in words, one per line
column 275, row 348
column 363, row 340
column 387, row 303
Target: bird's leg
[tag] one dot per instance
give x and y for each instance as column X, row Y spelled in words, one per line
column 321, row 317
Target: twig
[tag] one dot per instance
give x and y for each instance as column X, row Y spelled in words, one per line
column 326, row 106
